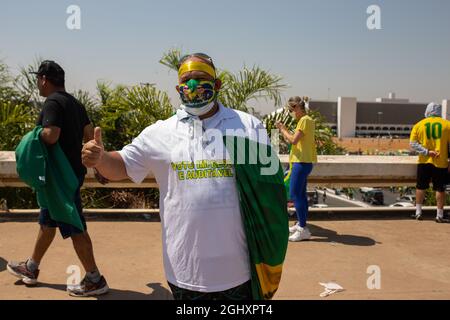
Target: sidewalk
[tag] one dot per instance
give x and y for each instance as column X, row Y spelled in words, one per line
column 413, row 258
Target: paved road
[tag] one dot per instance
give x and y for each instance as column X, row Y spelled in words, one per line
column 413, row 258
column 389, row 198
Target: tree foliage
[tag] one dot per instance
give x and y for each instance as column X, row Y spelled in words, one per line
column 25, row 86
column 15, row 121
column 16, row 117
column 124, row 111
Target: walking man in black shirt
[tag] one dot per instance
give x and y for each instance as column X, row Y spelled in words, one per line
column 65, row 121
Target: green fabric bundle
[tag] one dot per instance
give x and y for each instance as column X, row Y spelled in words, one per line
column 49, row 173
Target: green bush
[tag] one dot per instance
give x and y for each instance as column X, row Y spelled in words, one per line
column 126, row 111
column 120, row 198
column 430, row 198
column 18, row 198
column 15, row 122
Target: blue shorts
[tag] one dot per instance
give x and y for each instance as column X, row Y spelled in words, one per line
column 67, row 230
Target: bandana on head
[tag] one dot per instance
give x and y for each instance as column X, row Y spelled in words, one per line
column 196, row 66
column 198, row 96
column 433, row 110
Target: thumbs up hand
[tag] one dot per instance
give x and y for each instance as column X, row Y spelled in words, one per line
column 98, row 136
column 93, row 151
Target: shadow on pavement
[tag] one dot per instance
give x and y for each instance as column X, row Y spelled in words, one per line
column 3, row 264
column 158, row 293
column 326, row 235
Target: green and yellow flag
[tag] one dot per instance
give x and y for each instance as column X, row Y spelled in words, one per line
column 263, row 201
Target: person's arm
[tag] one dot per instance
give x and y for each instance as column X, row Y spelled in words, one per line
column 418, row 147
column 88, row 135
column 448, row 158
column 292, row 138
column 50, row 135
column 112, row 167
column 51, row 121
column 109, row 164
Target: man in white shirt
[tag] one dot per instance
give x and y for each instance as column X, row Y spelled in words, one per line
column 204, row 244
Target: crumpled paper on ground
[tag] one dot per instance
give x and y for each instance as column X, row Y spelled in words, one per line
column 330, row 288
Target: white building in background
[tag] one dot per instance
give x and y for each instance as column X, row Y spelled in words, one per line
column 386, row 117
column 446, row 109
column 347, row 110
column 392, row 99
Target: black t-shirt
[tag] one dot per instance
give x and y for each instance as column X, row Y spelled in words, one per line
column 62, row 110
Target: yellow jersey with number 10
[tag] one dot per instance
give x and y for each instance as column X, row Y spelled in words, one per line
column 433, row 134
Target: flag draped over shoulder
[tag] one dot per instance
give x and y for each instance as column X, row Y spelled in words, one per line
column 287, row 181
column 263, row 202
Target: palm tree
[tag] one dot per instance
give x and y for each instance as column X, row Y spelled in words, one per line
column 251, row 84
column 26, row 86
column 15, row 121
column 91, row 105
column 15, row 116
column 171, row 59
column 5, row 77
column 125, row 111
column 104, row 92
column 6, row 91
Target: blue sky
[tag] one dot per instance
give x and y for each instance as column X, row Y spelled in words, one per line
column 313, row 44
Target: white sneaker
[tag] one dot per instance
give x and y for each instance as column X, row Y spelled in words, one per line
column 301, row 234
column 293, row 228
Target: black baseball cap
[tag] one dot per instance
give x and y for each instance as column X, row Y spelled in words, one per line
column 51, row 70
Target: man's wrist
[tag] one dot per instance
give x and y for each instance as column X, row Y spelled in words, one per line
column 100, row 178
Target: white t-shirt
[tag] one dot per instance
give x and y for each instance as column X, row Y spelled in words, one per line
column 204, row 243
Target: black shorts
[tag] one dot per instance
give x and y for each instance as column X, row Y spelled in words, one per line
column 239, row 293
column 67, row 230
column 427, row 173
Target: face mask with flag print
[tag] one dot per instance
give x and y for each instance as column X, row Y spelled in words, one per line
column 198, row 97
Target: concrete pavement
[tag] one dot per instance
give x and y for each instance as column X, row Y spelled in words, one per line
column 413, row 257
